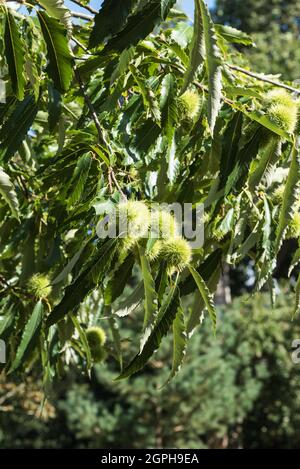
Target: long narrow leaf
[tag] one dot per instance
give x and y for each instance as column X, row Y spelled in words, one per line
column 117, row 283
column 213, row 59
column 164, row 321
column 79, row 178
column 132, row 301
column 16, row 127
column 83, row 340
column 179, row 343
column 139, row 25
column 150, row 297
column 291, row 192
column 30, row 334
column 57, row 9
column 59, row 56
column 85, row 282
column 296, row 308
column 15, row 54
column 110, row 19
column 206, row 295
column 197, row 52
column 8, row 192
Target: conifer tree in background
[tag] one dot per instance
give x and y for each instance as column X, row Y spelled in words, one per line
column 238, row 390
column 274, row 26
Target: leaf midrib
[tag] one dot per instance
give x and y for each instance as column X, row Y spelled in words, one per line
column 41, row 16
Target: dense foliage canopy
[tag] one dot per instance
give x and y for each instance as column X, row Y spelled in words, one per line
column 132, row 106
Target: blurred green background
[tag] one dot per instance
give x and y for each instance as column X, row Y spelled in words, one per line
column 239, row 389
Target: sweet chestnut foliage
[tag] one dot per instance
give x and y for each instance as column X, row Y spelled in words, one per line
column 145, row 108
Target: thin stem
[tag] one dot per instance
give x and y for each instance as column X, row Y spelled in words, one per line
column 82, row 16
column 75, row 14
column 197, row 84
column 15, row 290
column 113, row 177
column 204, row 88
column 90, row 106
column 22, row 186
column 265, row 79
column 101, row 137
column 86, row 7
column 79, row 44
column 69, row 111
column 109, row 180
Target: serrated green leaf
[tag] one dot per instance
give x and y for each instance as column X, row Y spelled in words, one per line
column 230, row 145
column 100, row 153
column 59, row 56
column 117, row 283
column 102, row 263
column 212, row 278
column 14, row 53
column 149, row 98
column 6, row 324
column 206, row 295
column 131, row 302
column 111, row 103
column 297, row 298
column 57, row 9
column 210, row 265
column 233, row 35
column 80, row 175
column 295, row 260
column 250, row 241
column 75, row 293
column 182, row 34
column 124, row 60
column 54, row 107
column 263, row 120
column 267, row 157
column 115, row 332
column 139, row 25
column 291, row 191
column 83, row 340
column 164, row 8
column 29, row 336
column 168, row 105
column 173, row 163
column 69, row 267
column 267, row 260
column 197, row 51
column 226, row 223
column 179, row 53
column 111, row 17
column 213, row 60
column 93, row 63
column 150, row 297
column 179, row 343
column 8, row 192
column 16, row 127
column 169, row 111
column 205, row 48
column 234, row 91
column 146, row 135
column 247, row 152
column 163, row 323
column 32, row 71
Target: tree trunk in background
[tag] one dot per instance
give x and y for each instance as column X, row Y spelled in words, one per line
column 223, row 293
